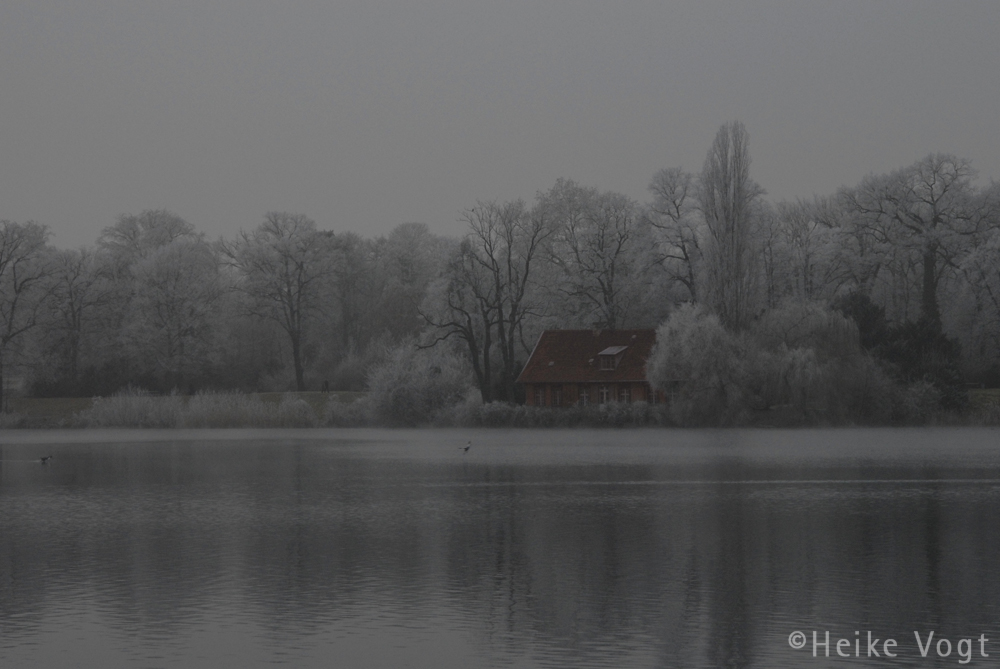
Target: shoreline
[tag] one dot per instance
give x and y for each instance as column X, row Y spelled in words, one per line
column 343, row 410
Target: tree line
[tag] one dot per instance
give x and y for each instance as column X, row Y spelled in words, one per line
column 910, row 260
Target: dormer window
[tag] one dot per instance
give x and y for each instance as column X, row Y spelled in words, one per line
column 610, row 357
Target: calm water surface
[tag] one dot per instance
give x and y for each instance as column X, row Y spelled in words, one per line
column 354, row 548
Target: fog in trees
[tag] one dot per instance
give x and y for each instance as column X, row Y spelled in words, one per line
column 24, row 287
column 900, row 270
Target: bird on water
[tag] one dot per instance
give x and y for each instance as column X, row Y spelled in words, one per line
column 45, row 459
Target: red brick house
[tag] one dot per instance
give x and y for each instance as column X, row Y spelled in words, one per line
column 580, row 367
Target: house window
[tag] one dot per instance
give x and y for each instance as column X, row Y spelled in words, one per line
column 584, row 396
column 607, row 362
column 539, row 396
column 604, row 394
column 557, row 396
column 625, row 394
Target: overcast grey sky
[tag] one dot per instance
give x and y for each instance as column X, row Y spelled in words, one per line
column 367, row 113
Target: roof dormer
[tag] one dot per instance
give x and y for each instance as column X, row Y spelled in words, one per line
column 609, row 358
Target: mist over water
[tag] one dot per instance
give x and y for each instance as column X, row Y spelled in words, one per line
column 368, row 548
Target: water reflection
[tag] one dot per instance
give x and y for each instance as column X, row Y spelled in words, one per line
column 668, row 549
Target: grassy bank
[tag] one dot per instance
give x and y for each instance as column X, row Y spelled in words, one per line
column 204, row 410
column 316, row 409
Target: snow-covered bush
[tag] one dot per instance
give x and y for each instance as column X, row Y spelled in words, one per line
column 412, row 384
column 702, row 366
column 801, row 359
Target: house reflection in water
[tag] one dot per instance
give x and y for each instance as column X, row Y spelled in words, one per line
column 581, row 367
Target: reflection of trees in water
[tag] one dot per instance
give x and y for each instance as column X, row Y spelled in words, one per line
column 301, row 542
column 734, row 569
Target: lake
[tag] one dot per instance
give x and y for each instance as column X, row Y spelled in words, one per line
column 536, row 548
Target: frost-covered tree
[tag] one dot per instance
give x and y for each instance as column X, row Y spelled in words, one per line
column 123, row 246
column 352, row 271
column 461, row 304
column 81, row 289
column 486, row 292
column 674, row 214
column 981, row 270
column 927, row 215
column 408, row 259
column 133, row 237
column 797, row 250
column 282, row 265
column 701, row 365
column 24, row 284
column 172, row 316
column 599, row 245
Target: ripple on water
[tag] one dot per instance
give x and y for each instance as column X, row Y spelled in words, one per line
column 554, row 549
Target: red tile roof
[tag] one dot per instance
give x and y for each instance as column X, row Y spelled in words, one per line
column 570, row 356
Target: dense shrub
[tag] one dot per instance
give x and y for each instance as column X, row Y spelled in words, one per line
column 920, row 400
column 914, row 352
column 703, row 367
column 349, row 414
column 412, row 384
column 799, row 362
column 867, row 316
column 920, row 352
column 349, row 374
column 815, row 364
column 807, row 326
